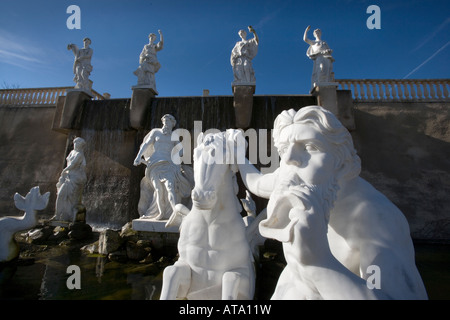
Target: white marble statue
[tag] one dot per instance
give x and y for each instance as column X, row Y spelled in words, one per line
column 251, row 221
column 241, row 58
column 82, row 67
column 320, row 53
column 215, row 259
column 342, row 239
column 71, row 184
column 148, row 62
column 33, row 201
column 165, row 183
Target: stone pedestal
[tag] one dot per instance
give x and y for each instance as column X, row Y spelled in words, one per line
column 72, row 105
column 345, row 109
column 140, row 99
column 243, row 104
column 151, row 225
column 327, row 96
column 339, row 102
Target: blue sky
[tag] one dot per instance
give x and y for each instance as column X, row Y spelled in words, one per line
column 413, row 42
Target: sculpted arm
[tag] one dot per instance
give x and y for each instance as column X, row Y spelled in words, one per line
column 305, row 36
column 250, row 28
column 309, row 252
column 148, row 141
column 161, row 41
column 76, row 161
column 258, row 183
column 73, row 47
column 383, row 276
column 386, row 260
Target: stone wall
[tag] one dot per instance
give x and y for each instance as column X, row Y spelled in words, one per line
column 31, row 154
column 405, row 153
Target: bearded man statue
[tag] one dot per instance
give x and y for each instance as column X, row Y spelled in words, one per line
column 336, row 229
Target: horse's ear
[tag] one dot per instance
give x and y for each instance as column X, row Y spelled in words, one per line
column 200, row 138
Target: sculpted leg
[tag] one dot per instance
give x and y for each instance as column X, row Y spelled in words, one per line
column 176, row 281
column 230, row 285
column 158, row 194
column 171, row 193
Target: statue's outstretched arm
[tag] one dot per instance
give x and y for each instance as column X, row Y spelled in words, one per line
column 258, row 183
column 148, row 141
column 250, row 28
column 161, row 41
column 305, row 36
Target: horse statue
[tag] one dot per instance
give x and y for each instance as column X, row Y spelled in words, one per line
column 215, row 258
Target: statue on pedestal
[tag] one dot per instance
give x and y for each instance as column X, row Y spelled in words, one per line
column 320, row 53
column 165, row 183
column 241, row 58
column 82, row 67
column 71, row 184
column 148, row 62
column 342, row 238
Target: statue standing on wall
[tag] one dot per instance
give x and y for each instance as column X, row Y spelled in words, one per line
column 165, row 183
column 342, row 238
column 82, row 65
column 71, row 185
column 241, row 58
column 320, row 53
column 148, row 62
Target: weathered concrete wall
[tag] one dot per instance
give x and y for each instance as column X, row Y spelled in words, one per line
column 405, row 153
column 31, row 154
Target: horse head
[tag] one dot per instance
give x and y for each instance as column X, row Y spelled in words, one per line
column 212, row 170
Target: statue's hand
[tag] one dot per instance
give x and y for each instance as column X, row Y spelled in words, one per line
column 307, row 28
column 137, row 161
column 249, row 204
column 250, row 28
column 310, row 231
column 236, row 142
column 236, row 138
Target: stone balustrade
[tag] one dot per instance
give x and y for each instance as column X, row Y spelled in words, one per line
column 397, row 89
column 36, row 96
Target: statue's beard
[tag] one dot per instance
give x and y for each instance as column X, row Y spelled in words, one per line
column 291, row 193
column 165, row 129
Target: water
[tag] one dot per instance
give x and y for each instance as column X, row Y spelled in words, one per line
column 102, row 279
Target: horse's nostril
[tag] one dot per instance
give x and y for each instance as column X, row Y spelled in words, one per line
column 210, row 195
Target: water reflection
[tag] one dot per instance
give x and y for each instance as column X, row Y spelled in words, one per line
column 101, row 279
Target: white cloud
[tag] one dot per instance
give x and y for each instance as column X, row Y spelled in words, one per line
column 21, row 52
